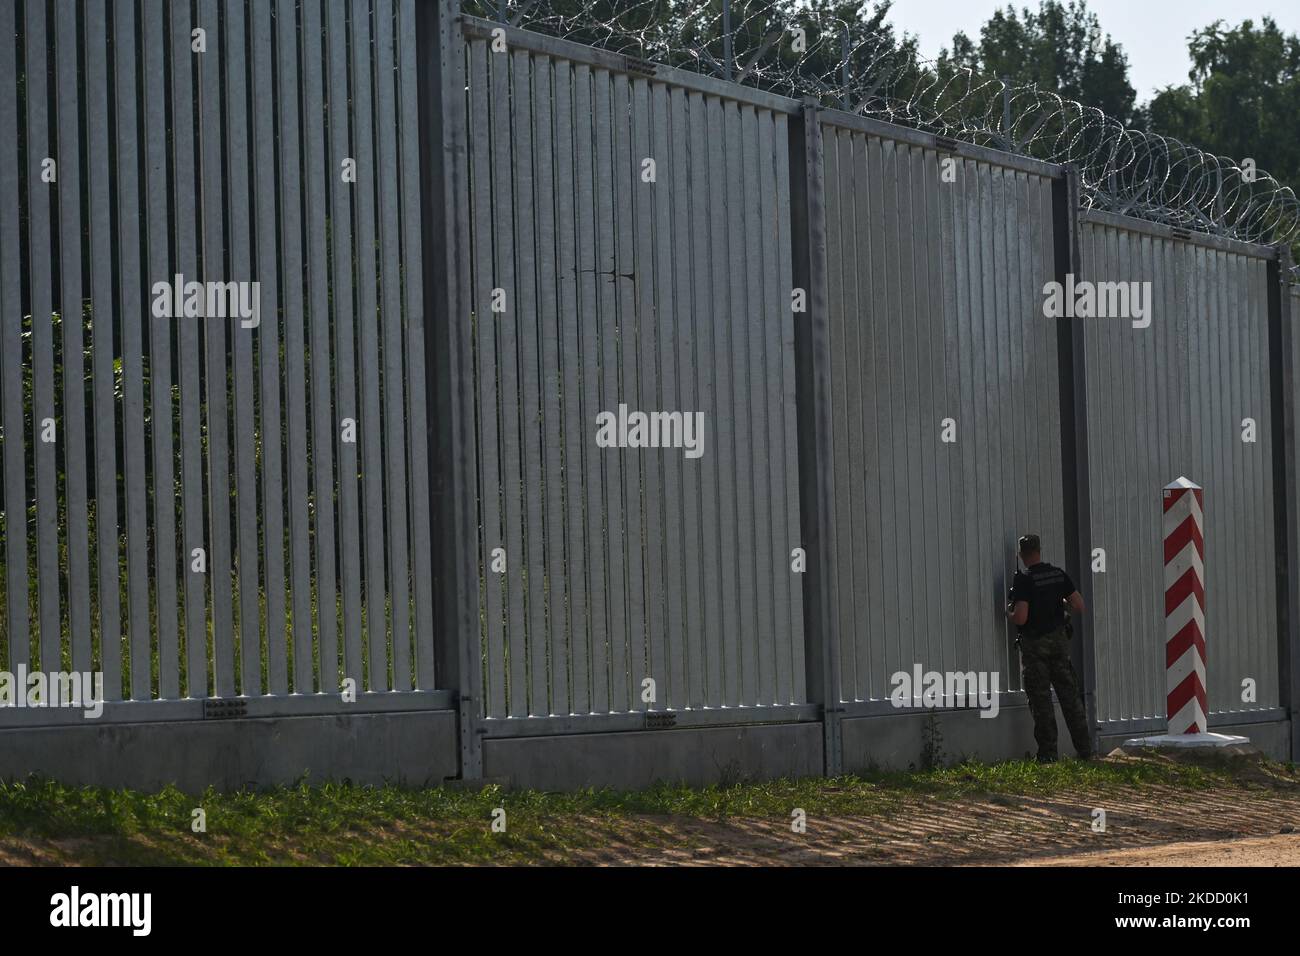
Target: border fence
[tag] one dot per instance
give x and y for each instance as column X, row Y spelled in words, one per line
column 567, row 412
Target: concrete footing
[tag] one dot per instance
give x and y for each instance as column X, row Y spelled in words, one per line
column 407, row 747
column 696, row 756
column 1271, row 739
column 421, row 748
column 1191, row 745
column 1188, row 741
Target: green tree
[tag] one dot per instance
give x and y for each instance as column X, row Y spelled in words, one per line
column 1243, row 97
column 1060, row 47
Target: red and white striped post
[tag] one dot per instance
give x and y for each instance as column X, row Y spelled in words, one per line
column 1185, row 608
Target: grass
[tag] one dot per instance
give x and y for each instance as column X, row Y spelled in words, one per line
column 353, row 825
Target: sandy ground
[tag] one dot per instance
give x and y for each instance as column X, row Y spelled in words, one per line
column 1281, row 850
column 1151, row 826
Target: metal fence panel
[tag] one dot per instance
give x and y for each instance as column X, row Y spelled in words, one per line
column 671, row 281
column 150, row 455
column 936, row 324
column 1172, row 400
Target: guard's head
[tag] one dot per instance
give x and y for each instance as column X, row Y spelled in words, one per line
column 1030, row 549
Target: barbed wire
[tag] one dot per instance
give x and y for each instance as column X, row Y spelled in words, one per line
column 855, row 67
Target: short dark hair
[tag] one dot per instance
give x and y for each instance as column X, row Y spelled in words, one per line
column 1029, row 544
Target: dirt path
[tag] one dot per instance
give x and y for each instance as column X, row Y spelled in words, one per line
column 1280, row 850
column 1146, row 826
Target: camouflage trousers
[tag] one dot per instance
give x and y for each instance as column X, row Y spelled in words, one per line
column 1045, row 664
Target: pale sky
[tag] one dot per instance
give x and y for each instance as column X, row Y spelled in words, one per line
column 1152, row 32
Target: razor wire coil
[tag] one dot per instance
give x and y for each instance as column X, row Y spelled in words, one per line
column 800, row 53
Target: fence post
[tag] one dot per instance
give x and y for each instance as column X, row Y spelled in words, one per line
column 1008, row 141
column 445, row 234
column 845, row 74
column 1073, row 383
column 728, row 47
column 1282, row 394
column 813, row 377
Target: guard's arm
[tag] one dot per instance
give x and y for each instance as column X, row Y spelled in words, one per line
column 1075, row 604
column 1018, row 612
column 1017, row 609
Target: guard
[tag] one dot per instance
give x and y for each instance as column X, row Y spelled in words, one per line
column 1036, row 604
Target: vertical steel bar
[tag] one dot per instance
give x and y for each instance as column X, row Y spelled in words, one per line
column 72, row 311
column 745, row 324
column 776, row 499
column 215, row 332
column 570, row 379
column 948, row 653
column 653, row 461
column 788, row 181
column 272, row 578
column 370, row 423
column 550, row 683
column 839, row 311
column 528, row 309
column 190, row 435
column 325, row 424
column 879, row 418
column 238, row 209
column 295, row 349
column 611, row 459
column 507, row 323
column 690, row 286
column 40, row 283
column 101, row 279
column 343, row 321
column 485, row 321
column 396, row 502
column 732, row 418
column 160, row 354
column 718, row 468
column 417, row 294
column 760, row 577
column 591, row 311
column 625, row 180
column 11, row 333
